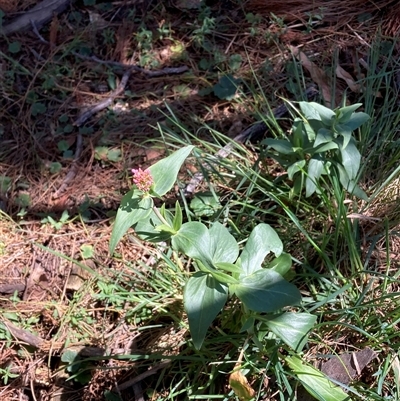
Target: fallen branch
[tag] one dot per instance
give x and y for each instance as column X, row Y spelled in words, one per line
column 36, row 16
column 150, row 73
column 105, row 103
column 254, row 131
column 124, row 80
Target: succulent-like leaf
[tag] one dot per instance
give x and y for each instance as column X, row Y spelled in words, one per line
column 292, row 328
column 263, row 240
column 224, row 247
column 203, row 299
column 165, row 171
column 266, row 291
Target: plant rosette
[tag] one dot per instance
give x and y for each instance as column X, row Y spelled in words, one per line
column 220, row 272
column 321, row 143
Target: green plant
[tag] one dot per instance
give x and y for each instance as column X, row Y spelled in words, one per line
column 144, row 40
column 255, row 21
column 226, row 87
column 321, row 144
column 104, row 153
column 64, row 147
column 6, row 374
column 57, row 225
column 205, row 28
column 76, row 366
column 5, row 184
column 220, row 272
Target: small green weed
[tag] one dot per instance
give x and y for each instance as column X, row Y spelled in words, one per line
column 104, row 153
column 57, row 225
column 6, row 374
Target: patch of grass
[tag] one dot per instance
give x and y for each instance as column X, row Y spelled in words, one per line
column 129, row 316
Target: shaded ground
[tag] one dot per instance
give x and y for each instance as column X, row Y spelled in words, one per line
column 47, row 83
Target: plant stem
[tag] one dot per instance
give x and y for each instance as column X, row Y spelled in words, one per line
column 160, row 216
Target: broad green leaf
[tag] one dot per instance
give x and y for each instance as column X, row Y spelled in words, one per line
column 297, row 187
column 344, row 113
column 248, row 325
column 281, row 264
column 193, row 239
column 314, row 172
column 229, row 267
column 344, row 177
column 315, row 111
column 226, row 87
column 281, row 146
column 223, row 277
column 359, row 193
column 207, row 268
column 223, row 246
column 311, row 127
column 351, row 159
column 324, row 135
column 70, row 356
column 309, row 112
column 235, row 61
column 295, row 168
column 114, row 155
column 14, row 47
column 165, row 171
column 134, row 207
column 292, row 328
column 345, row 134
column 263, row 240
column 165, row 228
column 5, row 183
column 350, row 185
column 266, row 291
column 203, row 299
column 315, row 382
column 177, row 223
column 297, row 133
column 325, row 147
column 87, row 251
column 355, row 121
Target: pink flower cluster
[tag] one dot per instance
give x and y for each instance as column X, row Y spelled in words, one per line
column 142, row 179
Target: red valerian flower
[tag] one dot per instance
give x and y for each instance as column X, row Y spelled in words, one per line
column 142, row 179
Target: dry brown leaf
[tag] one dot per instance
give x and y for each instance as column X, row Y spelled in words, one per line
column 240, row 385
column 343, row 74
column 317, row 74
column 345, row 367
column 153, row 154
